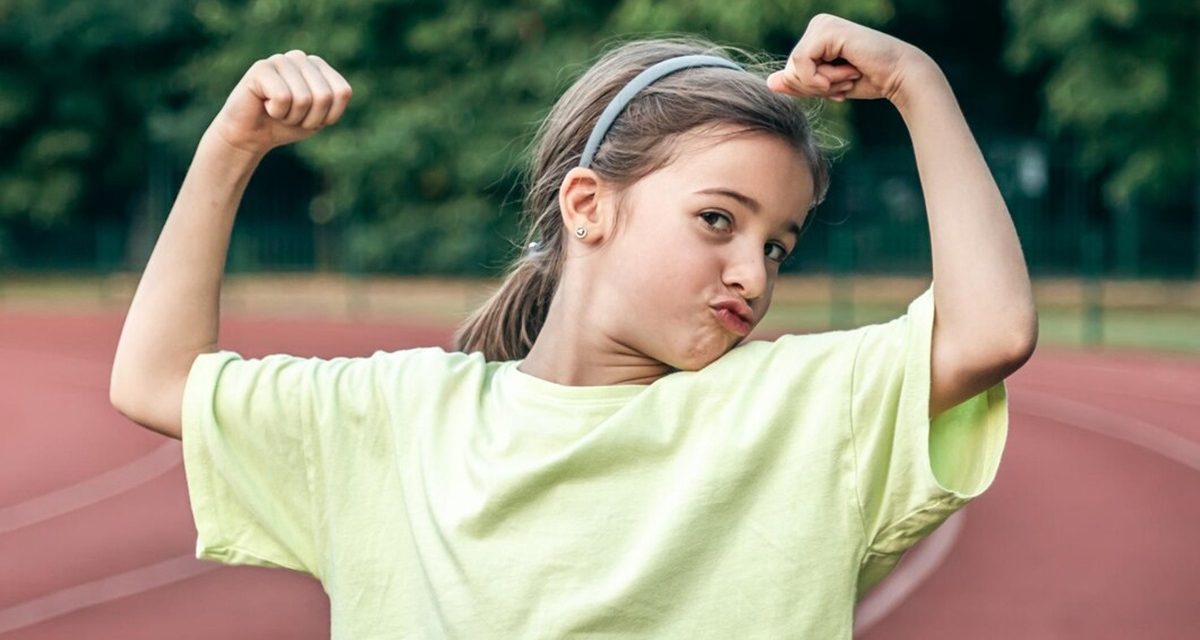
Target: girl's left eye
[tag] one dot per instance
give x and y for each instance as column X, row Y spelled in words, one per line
column 779, row 257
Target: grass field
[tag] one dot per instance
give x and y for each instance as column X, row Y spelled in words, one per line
column 1144, row 314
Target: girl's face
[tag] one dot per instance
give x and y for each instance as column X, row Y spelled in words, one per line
column 686, row 242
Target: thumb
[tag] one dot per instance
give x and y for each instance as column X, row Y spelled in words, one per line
column 777, row 82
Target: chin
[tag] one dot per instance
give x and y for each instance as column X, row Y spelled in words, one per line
column 700, row 358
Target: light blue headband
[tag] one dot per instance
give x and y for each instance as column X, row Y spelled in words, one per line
column 641, row 81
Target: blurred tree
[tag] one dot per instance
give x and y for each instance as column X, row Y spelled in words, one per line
column 1122, row 79
column 967, row 40
column 447, row 95
column 76, row 79
column 424, row 169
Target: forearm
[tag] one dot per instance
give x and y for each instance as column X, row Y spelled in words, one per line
column 174, row 314
column 982, row 289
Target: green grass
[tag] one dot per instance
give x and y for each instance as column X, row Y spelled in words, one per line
column 1153, row 317
column 1176, row 331
column 1166, row 330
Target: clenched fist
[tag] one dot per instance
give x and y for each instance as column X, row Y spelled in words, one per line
column 837, row 59
column 280, row 100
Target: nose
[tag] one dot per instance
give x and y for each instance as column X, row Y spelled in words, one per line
column 746, row 271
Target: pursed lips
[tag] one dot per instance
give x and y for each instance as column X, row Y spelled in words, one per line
column 733, row 322
column 738, row 308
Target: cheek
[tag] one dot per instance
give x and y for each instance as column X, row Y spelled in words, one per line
column 657, row 266
column 672, row 285
column 666, row 273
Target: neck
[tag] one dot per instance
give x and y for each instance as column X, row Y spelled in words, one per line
column 574, row 349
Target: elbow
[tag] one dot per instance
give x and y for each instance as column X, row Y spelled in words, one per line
column 123, row 382
column 1023, row 345
column 1012, row 352
column 125, row 404
column 1027, row 344
column 118, row 397
column 161, row 417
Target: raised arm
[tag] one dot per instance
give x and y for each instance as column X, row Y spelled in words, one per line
column 175, row 310
column 173, row 316
column 985, row 323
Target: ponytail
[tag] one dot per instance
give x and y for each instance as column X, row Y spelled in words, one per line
column 507, row 324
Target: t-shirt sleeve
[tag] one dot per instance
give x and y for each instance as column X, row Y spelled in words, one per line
column 912, row 473
column 251, row 452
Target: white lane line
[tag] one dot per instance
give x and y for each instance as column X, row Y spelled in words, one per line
column 1048, row 387
column 914, row 568
column 95, row 489
column 921, row 562
column 71, row 599
column 1136, row 431
column 1170, row 376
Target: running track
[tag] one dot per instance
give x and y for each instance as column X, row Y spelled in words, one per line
column 1089, row 530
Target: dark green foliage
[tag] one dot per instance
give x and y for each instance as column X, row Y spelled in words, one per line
column 423, row 171
column 1121, row 77
column 102, row 103
column 77, row 80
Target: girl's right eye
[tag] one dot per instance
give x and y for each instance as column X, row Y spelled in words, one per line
column 710, row 213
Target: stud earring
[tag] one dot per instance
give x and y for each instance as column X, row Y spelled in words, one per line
column 580, row 232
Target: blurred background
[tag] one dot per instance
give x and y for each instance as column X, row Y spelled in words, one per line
column 1086, row 111
column 385, row 230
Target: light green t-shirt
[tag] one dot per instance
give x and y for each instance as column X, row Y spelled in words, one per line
column 438, row 495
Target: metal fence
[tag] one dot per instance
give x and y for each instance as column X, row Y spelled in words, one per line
column 872, row 222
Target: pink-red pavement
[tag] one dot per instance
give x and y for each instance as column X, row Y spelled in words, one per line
column 1089, row 530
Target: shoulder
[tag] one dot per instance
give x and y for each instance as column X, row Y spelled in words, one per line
column 427, row 362
column 410, row 364
column 795, row 349
column 787, row 363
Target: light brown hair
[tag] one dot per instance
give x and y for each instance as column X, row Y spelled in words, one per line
column 640, row 141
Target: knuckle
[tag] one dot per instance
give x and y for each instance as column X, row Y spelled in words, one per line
column 344, row 93
column 296, row 53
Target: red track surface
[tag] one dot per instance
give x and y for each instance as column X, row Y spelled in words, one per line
column 1088, row 532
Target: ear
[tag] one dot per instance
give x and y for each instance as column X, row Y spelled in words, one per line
column 584, row 202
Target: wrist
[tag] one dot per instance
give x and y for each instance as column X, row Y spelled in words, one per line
column 922, row 79
column 216, row 142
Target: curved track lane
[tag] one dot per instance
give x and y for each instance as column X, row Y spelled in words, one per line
column 1087, row 532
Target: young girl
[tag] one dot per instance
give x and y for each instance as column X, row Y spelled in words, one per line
column 602, row 454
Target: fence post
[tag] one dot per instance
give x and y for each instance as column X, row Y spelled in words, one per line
column 1196, row 214
column 109, row 249
column 357, row 300
column 1128, row 238
column 842, row 246
column 1093, row 299
column 841, row 250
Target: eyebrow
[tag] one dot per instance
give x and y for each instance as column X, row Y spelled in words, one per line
column 749, row 203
